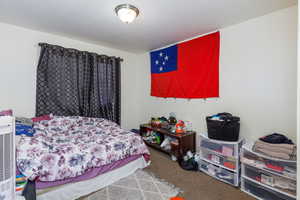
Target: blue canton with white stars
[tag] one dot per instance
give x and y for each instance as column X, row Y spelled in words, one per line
column 164, row 60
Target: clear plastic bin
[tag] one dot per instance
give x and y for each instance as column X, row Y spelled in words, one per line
column 219, row 173
column 280, row 167
column 283, row 184
column 226, row 162
column 262, row 192
column 230, row 149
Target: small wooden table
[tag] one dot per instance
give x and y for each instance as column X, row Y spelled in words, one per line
column 186, row 141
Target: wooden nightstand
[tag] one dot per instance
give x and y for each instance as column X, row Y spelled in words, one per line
column 186, row 141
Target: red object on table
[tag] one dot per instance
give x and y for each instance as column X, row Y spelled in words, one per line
column 176, row 198
column 179, row 127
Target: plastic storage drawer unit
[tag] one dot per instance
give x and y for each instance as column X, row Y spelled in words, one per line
column 285, row 168
column 267, row 178
column 219, row 173
column 278, row 182
column 220, row 148
column 221, row 159
column 261, row 192
column 226, row 162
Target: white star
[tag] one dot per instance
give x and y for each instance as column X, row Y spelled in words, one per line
column 160, row 54
column 160, row 69
column 157, row 62
column 166, row 58
column 164, row 63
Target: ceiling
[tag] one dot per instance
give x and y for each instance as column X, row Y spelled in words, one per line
column 161, row 22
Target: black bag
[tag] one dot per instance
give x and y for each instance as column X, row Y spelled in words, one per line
column 226, row 129
column 29, row 192
column 190, row 165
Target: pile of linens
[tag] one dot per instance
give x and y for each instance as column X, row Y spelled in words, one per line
column 24, row 126
column 277, row 146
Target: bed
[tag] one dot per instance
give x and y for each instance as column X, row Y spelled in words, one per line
column 69, row 157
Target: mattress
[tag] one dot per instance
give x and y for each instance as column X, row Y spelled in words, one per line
column 68, row 147
column 79, row 189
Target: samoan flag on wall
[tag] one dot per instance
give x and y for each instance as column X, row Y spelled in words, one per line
column 187, row 70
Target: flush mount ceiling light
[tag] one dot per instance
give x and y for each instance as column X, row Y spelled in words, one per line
column 127, row 13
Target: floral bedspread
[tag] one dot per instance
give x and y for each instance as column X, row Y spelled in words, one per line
column 65, row 147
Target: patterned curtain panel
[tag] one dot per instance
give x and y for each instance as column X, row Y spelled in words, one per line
column 72, row 82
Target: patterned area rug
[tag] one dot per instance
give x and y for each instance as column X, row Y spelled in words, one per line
column 139, row 186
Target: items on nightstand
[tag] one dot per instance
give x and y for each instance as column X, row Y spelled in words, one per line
column 179, row 127
column 172, row 119
column 155, row 122
column 166, row 144
column 220, row 159
column 173, row 144
column 176, row 198
column 153, row 137
column 172, row 124
column 160, row 122
column 267, row 177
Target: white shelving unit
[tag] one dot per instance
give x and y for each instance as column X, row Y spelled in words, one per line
column 7, row 158
column 267, row 178
column 220, row 159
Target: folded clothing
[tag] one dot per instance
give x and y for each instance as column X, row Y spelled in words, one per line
column 275, row 154
column 277, row 150
column 272, row 180
column 273, row 166
column 211, row 146
column 276, row 138
column 285, row 183
column 42, row 118
column 280, row 148
column 24, row 129
column 24, row 121
column 6, row 113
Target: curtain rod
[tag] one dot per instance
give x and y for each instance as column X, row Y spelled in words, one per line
column 43, row 43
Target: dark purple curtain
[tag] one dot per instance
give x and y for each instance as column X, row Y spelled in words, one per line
column 72, row 82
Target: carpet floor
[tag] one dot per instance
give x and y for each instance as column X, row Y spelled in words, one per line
column 196, row 185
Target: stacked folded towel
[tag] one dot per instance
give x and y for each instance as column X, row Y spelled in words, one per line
column 24, row 126
column 272, row 146
column 24, row 121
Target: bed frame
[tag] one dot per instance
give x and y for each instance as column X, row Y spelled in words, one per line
column 76, row 190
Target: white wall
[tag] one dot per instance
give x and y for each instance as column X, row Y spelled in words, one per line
column 257, row 76
column 257, row 79
column 19, row 53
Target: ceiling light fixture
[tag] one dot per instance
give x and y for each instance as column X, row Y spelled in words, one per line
column 127, row 13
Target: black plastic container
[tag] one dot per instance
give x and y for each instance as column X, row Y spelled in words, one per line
column 226, row 129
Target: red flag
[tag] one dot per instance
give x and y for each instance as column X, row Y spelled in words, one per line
column 187, row 70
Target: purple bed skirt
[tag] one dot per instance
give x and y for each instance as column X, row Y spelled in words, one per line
column 93, row 172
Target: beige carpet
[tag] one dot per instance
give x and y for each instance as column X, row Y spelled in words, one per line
column 196, row 185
